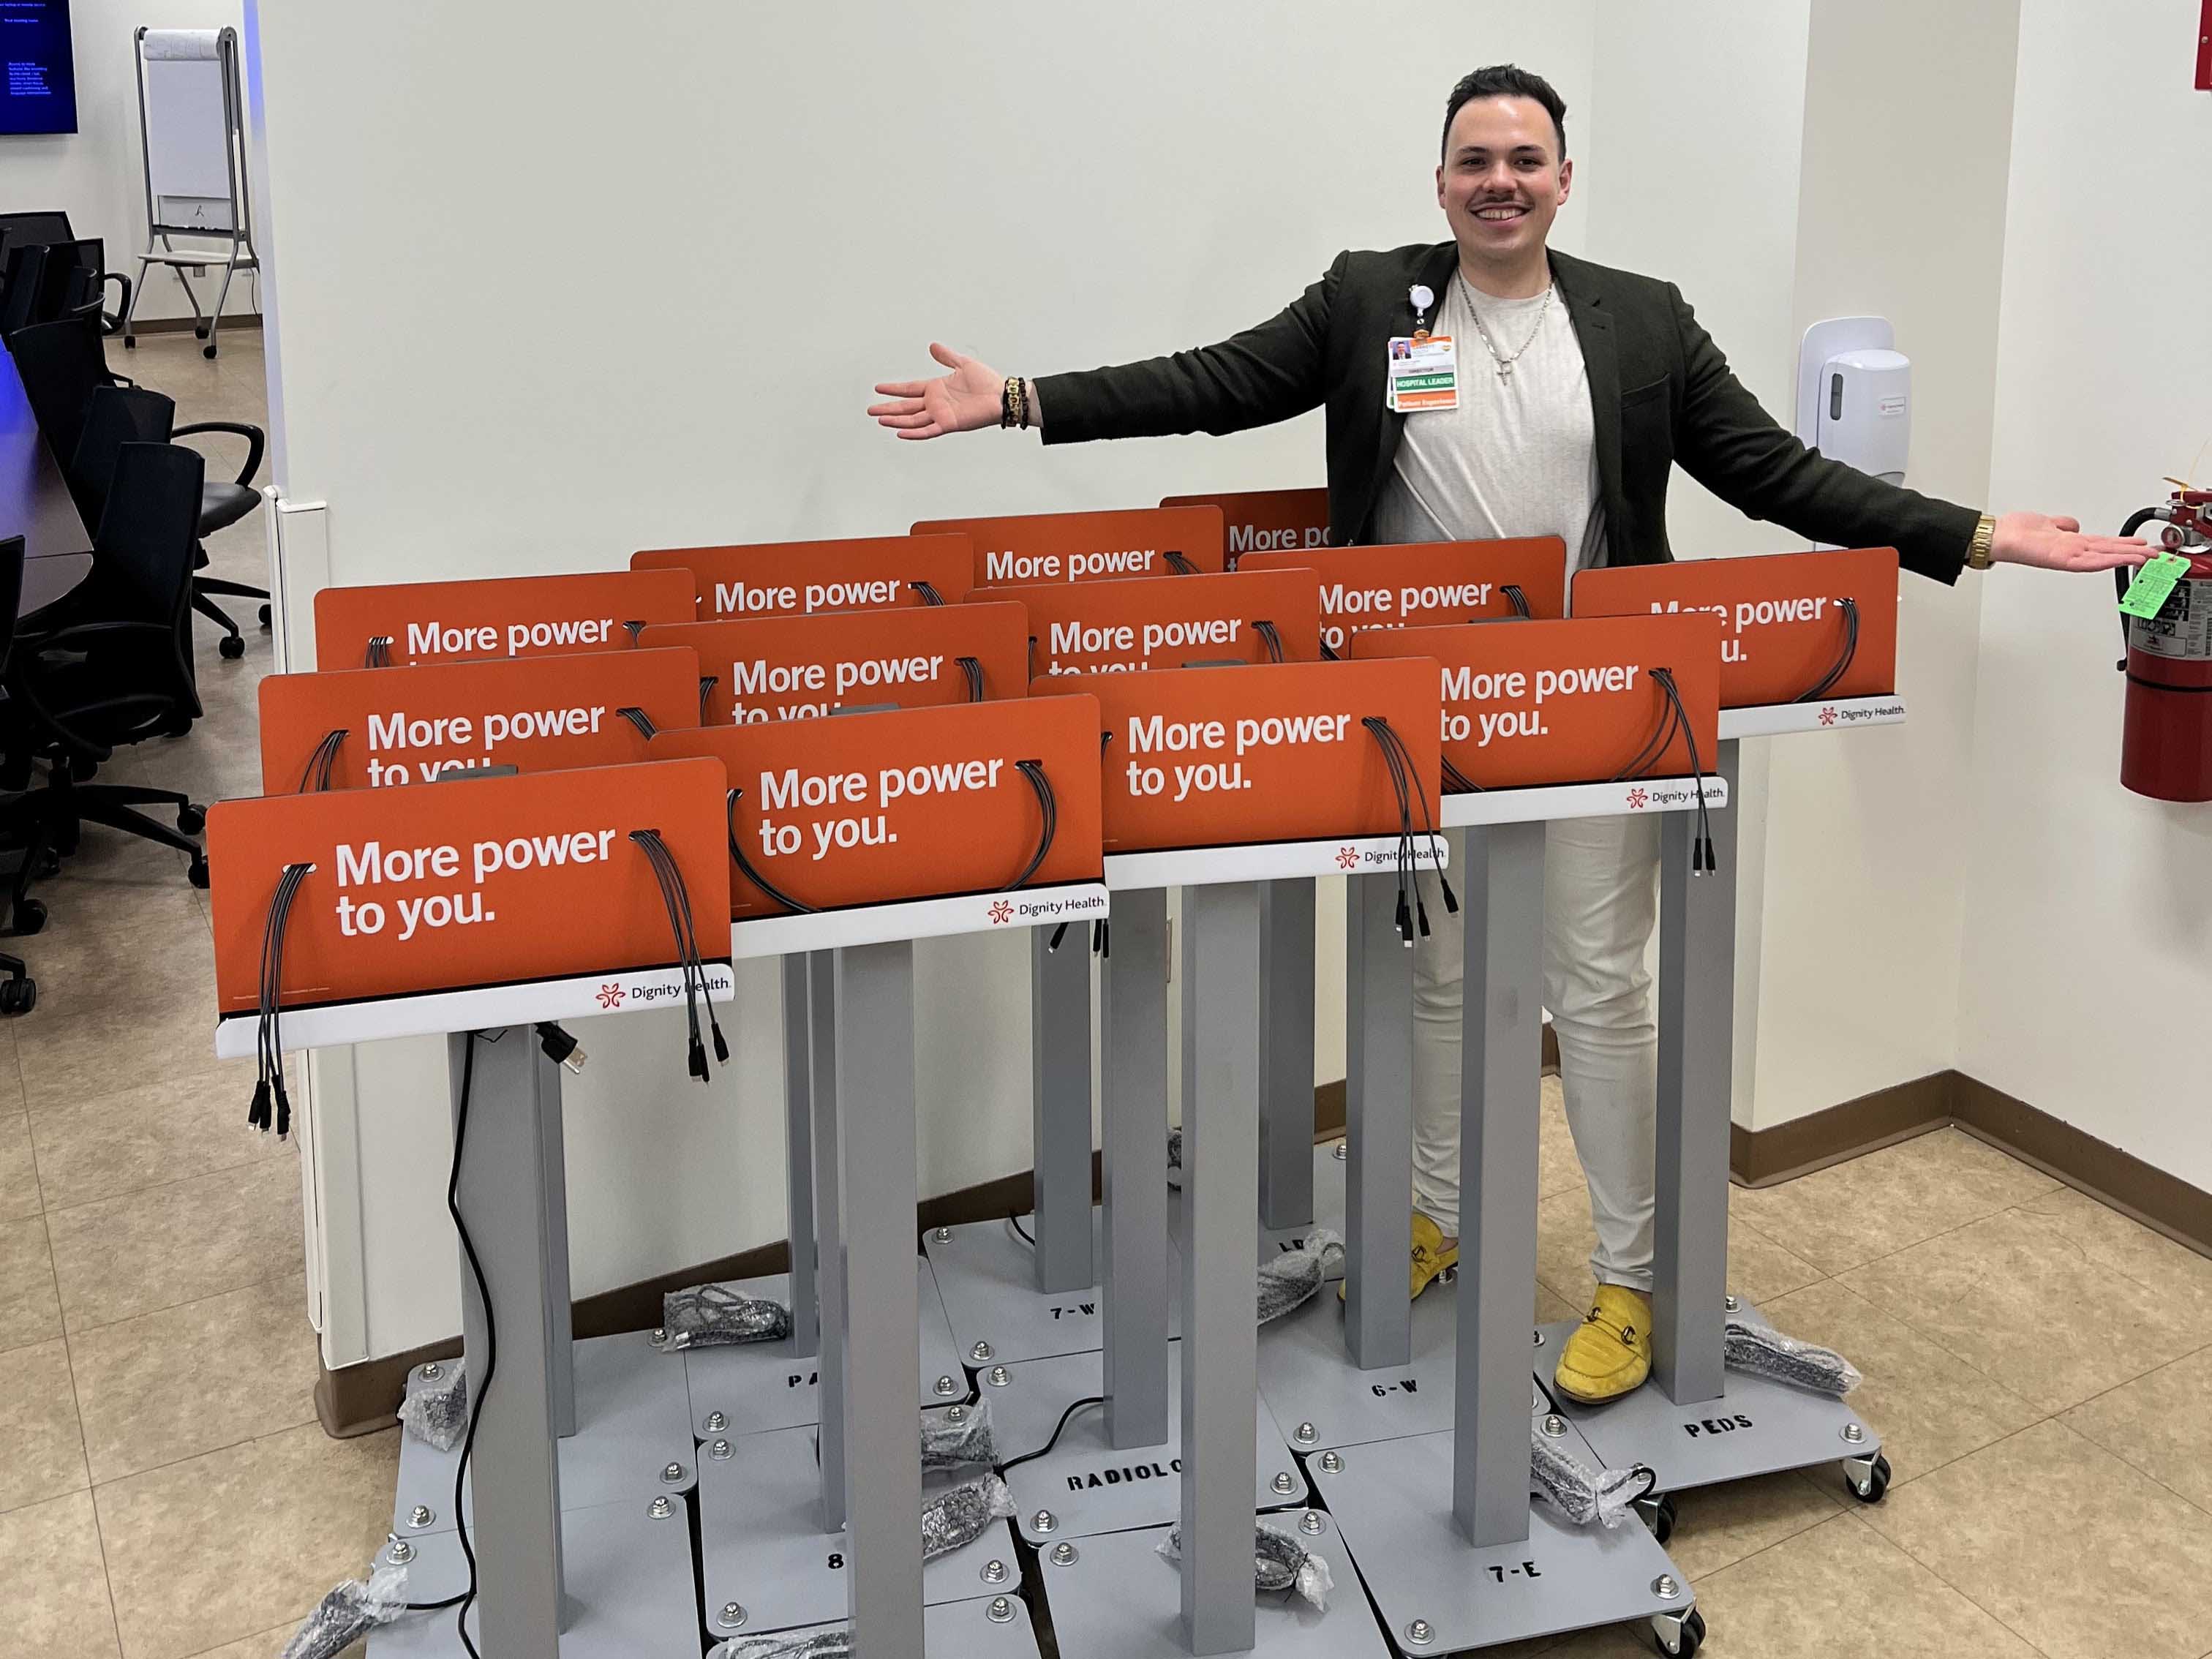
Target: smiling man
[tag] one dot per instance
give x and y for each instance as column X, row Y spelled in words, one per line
column 1578, row 388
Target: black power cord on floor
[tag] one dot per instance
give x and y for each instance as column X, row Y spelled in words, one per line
column 1013, row 1463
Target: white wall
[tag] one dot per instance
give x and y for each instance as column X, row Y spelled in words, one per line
column 1765, row 161
column 2088, row 936
column 96, row 174
column 696, row 240
column 1862, row 898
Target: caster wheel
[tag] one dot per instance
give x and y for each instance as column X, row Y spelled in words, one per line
column 264, row 615
column 1658, row 1514
column 208, row 352
column 199, row 330
column 19, row 996
column 50, row 862
column 191, row 820
column 230, row 647
column 1868, row 1483
column 30, row 917
column 198, row 875
column 131, row 343
column 1677, row 1638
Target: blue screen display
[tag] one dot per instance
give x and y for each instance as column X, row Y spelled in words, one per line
column 37, row 76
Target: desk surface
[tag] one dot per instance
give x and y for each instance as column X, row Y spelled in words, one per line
column 34, row 502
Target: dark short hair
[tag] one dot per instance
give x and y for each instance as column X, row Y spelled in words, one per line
column 1505, row 81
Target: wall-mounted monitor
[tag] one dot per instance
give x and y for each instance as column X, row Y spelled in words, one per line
column 38, row 76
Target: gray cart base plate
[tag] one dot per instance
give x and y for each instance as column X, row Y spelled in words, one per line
column 1757, row 1427
column 633, row 1421
column 987, row 1279
column 630, row 1589
column 1121, row 1599
column 762, row 1546
column 1307, row 1377
column 761, row 1386
column 1328, row 1205
column 1393, row 1500
column 994, row 1629
column 1089, row 1486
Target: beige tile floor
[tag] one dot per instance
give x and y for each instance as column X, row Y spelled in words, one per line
column 2039, row 1366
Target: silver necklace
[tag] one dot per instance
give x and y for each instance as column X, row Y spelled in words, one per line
column 1504, row 364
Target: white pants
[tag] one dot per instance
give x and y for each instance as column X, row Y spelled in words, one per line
column 1601, row 904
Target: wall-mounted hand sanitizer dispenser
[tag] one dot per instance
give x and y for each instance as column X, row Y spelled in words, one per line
column 1855, row 395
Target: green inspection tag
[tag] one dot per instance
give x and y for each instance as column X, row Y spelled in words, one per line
column 2154, row 579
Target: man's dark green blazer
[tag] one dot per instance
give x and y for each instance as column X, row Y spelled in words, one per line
column 1661, row 393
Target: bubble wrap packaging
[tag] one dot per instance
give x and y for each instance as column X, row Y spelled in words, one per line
column 349, row 1613
column 1607, row 1497
column 716, row 1316
column 436, row 1409
column 1762, row 1350
column 1280, row 1562
column 1290, row 1280
column 957, row 1516
column 792, row 1644
column 956, row 1437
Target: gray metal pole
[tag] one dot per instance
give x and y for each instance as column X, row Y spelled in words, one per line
column 1378, row 1111
column 820, row 1011
column 559, row 1308
column 883, row 1329
column 798, row 1157
column 502, row 1195
column 1135, row 1287
column 1221, row 1194
column 1502, row 1064
column 1060, row 1051
column 1287, row 1054
column 1697, row 1022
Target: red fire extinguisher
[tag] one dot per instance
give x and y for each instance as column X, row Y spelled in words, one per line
column 2166, row 746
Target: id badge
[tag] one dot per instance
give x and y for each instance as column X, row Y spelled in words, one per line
column 1423, row 373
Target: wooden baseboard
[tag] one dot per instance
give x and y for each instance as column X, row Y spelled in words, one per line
column 1951, row 1099
column 361, row 1399
column 231, row 319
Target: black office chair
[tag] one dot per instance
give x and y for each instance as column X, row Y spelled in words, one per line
column 89, row 256
column 118, row 672
column 22, row 280
column 19, row 992
column 62, row 364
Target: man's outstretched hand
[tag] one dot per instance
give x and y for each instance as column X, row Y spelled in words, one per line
column 969, row 397
column 2058, row 544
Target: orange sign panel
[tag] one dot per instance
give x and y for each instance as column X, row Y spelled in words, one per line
column 409, row 724
column 910, row 804
column 479, row 881
column 408, row 623
column 1033, row 548
column 1088, row 628
column 780, row 668
column 1787, row 634
column 1225, row 757
column 1428, row 584
column 787, row 579
column 1266, row 520
column 1569, row 701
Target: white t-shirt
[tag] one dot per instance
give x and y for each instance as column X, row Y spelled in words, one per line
column 1518, row 457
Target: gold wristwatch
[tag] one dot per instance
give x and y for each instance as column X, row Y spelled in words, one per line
column 1977, row 550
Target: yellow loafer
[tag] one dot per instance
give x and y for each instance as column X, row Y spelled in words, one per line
column 1609, row 1355
column 1432, row 1257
